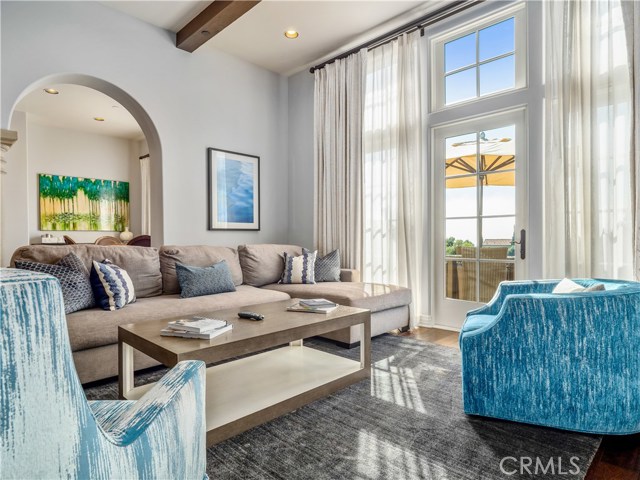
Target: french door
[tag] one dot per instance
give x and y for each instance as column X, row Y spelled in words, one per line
column 480, row 207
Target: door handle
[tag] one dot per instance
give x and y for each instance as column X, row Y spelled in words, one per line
column 523, row 244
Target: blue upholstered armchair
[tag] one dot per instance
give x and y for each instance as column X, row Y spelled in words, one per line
column 569, row 361
column 48, row 428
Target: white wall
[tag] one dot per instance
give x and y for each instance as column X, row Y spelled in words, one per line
column 301, row 173
column 199, row 100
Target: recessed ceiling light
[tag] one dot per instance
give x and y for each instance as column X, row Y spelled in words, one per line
column 51, row 91
column 291, row 34
column 98, row 119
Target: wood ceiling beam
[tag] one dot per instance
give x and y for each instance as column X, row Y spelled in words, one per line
column 211, row 21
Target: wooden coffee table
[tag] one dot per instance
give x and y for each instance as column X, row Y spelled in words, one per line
column 252, row 390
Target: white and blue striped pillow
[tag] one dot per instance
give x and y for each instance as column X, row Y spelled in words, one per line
column 112, row 286
column 300, row 269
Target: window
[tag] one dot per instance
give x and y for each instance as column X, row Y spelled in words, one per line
column 485, row 58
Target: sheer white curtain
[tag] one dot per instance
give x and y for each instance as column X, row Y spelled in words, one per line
column 588, row 118
column 338, row 105
column 393, row 166
column 145, row 194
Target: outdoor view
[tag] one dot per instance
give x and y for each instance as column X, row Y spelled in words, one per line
column 480, row 212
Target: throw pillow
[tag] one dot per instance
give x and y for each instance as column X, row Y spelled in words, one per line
column 327, row 267
column 73, row 278
column 198, row 281
column 111, row 285
column 300, row 269
column 567, row 286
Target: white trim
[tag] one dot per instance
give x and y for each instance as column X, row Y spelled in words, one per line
column 425, row 321
column 448, row 328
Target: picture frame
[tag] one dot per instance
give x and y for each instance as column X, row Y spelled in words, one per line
column 81, row 204
column 233, row 190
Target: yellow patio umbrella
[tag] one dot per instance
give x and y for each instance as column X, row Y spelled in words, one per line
column 495, row 163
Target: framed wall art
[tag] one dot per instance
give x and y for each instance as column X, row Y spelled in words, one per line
column 234, row 190
column 82, row 204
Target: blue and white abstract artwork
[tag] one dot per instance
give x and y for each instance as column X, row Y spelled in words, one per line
column 234, row 184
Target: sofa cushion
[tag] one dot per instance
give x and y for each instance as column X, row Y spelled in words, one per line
column 142, row 263
column 373, row 296
column 198, row 281
column 476, row 322
column 264, row 263
column 96, row 327
column 196, row 256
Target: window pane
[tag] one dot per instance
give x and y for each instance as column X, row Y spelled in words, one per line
column 461, row 154
column 498, row 232
column 460, row 53
column 460, row 86
column 460, row 279
column 460, row 238
column 491, row 274
column 461, row 196
column 497, row 75
column 497, row 40
column 498, row 199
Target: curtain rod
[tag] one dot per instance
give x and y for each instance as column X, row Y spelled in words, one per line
column 419, row 24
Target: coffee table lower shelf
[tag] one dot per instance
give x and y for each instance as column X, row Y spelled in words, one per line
column 249, row 391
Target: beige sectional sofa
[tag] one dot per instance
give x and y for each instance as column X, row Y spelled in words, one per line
column 255, row 269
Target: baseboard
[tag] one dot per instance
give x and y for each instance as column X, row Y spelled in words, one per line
column 425, row 321
column 446, row 327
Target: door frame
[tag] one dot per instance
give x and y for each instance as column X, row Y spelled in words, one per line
column 441, row 306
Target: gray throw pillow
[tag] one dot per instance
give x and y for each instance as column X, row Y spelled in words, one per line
column 198, row 281
column 73, row 277
column 327, row 268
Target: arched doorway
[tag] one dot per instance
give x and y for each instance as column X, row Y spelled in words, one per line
column 145, row 123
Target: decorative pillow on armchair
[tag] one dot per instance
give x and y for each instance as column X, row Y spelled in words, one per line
column 300, row 269
column 73, row 278
column 111, row 285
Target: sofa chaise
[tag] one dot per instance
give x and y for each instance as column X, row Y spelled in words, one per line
column 255, row 269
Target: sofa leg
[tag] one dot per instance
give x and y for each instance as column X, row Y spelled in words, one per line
column 404, row 329
column 347, row 345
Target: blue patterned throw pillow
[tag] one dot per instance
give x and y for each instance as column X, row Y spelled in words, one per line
column 73, row 278
column 300, row 269
column 327, row 267
column 111, row 285
column 198, row 281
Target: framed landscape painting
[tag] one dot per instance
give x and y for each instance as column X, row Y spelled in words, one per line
column 234, row 190
column 82, row 204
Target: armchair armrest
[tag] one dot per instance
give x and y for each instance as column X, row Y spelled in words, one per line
column 513, row 288
column 349, row 275
column 181, row 391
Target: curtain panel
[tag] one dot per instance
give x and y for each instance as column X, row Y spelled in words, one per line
column 393, row 167
column 588, row 188
column 338, row 109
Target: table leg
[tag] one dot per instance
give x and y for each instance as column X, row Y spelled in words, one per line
column 125, row 369
column 365, row 344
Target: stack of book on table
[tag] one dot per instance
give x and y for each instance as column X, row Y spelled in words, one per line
column 196, row 327
column 313, row 305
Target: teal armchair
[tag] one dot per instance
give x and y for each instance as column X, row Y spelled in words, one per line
column 50, row 430
column 569, row 361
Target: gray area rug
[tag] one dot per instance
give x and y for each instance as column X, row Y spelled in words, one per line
column 405, row 423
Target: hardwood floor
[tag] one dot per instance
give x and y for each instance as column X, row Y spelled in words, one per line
column 618, row 457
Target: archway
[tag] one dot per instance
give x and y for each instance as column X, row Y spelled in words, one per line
column 142, row 118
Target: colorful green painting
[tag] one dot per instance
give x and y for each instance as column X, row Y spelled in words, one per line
column 76, row 203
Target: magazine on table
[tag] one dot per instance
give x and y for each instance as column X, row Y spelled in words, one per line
column 208, row 335
column 300, row 307
column 197, row 324
column 318, row 303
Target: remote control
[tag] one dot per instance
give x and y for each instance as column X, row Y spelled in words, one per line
column 250, row 316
